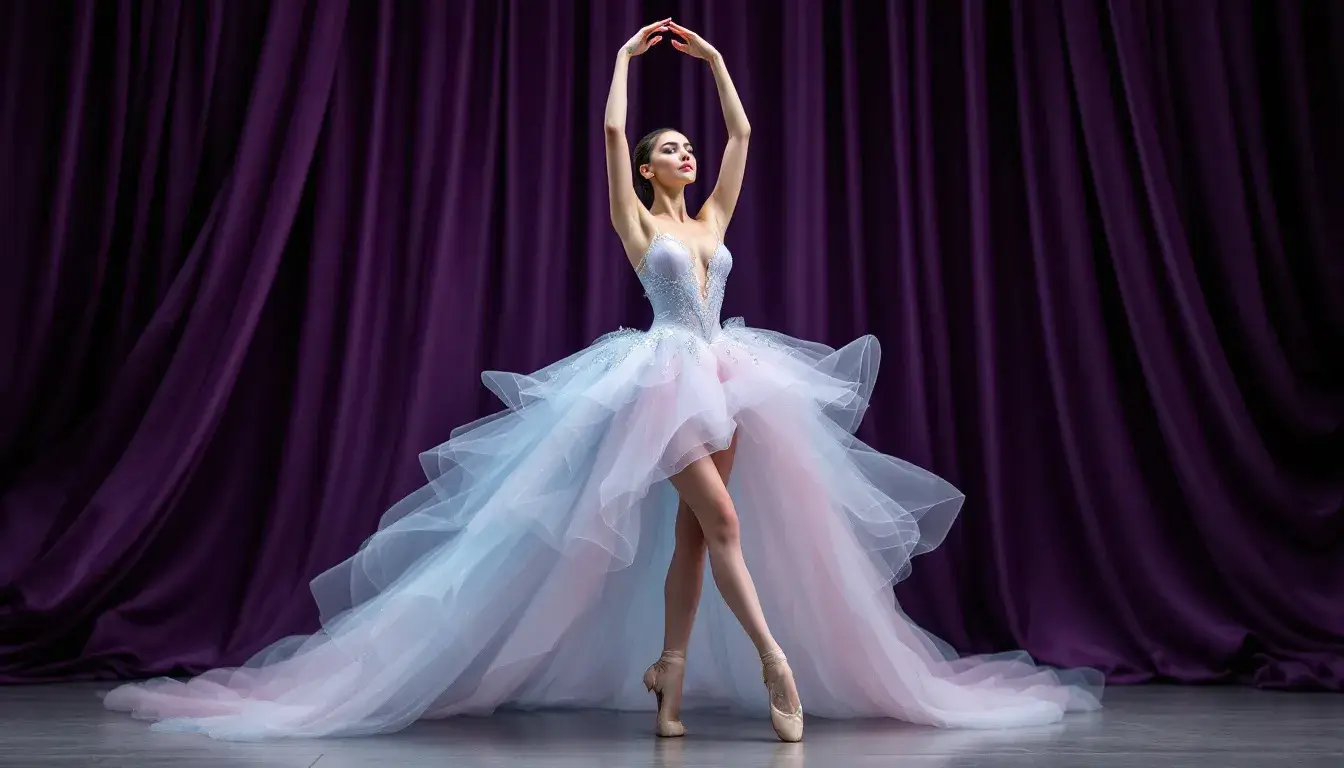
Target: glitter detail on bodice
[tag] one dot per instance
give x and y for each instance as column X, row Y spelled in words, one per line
column 668, row 273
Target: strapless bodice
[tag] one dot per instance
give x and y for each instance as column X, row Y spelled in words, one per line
column 668, row 273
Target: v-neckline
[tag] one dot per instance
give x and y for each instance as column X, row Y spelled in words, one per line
column 717, row 245
column 701, row 294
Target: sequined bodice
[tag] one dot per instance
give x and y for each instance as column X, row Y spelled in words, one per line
column 668, row 272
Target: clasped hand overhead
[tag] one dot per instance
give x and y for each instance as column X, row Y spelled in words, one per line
column 690, row 43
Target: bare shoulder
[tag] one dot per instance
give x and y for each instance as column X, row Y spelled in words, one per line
column 713, row 220
column 638, row 236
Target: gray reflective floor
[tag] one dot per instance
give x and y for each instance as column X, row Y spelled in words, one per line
column 64, row 725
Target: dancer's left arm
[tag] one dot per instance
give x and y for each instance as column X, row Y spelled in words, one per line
column 719, row 207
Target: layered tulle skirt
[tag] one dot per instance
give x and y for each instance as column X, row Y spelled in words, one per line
column 528, row 572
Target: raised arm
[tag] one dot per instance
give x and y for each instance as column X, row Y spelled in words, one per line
column 721, row 202
column 620, row 187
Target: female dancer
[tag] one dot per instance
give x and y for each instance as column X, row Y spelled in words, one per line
column 527, row 573
column 705, row 518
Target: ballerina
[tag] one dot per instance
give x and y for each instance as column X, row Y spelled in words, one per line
column 528, row 572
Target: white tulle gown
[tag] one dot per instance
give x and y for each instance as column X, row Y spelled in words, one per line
column 529, row 571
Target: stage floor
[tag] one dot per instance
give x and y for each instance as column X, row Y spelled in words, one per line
column 45, row 726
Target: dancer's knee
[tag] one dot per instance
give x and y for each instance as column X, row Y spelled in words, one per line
column 718, row 520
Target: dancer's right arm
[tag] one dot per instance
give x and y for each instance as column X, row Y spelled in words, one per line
column 620, row 187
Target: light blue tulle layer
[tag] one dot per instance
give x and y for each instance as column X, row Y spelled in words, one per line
column 528, row 572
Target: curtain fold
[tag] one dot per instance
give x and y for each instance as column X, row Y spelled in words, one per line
column 256, row 255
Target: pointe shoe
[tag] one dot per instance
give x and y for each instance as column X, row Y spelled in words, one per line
column 775, row 670
column 664, row 680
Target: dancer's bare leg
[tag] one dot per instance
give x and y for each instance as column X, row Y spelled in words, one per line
column 701, row 487
column 685, row 575
column 681, row 598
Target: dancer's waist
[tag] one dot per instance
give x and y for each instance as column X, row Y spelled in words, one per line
column 706, row 330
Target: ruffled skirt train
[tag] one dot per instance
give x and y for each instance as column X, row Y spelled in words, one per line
column 529, row 571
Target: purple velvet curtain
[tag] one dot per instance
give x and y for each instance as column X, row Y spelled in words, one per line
column 256, row 255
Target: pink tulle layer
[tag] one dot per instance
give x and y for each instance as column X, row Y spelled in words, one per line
column 529, row 571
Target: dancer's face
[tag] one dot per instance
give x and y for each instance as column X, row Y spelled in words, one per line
column 672, row 161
